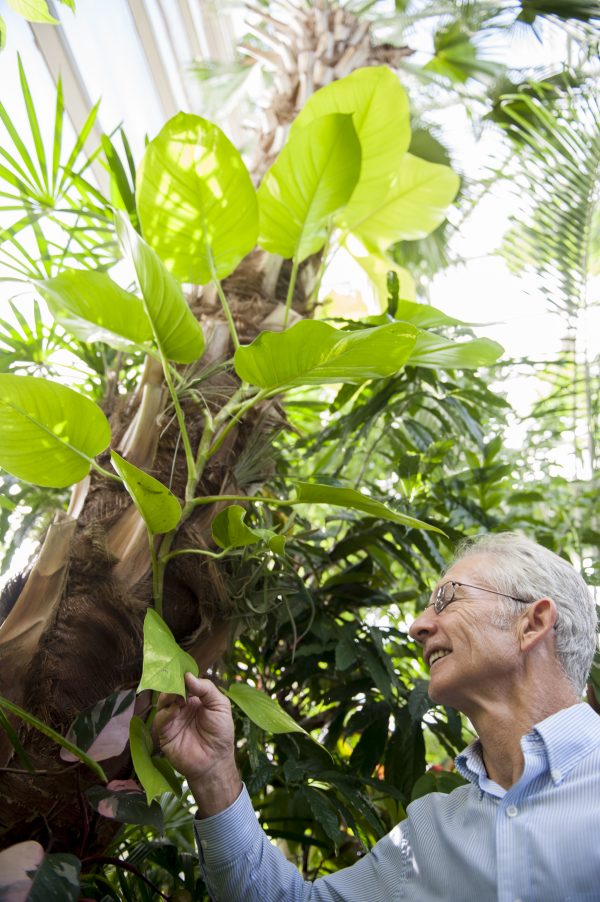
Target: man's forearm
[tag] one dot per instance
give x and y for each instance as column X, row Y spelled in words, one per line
column 216, row 792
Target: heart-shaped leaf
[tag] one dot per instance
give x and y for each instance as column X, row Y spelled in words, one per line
column 126, row 806
column 230, row 531
column 94, row 308
column 262, row 710
column 175, row 328
column 156, row 503
column 140, row 743
column 414, row 204
column 434, row 351
column 313, row 353
column 380, row 111
column 50, row 433
column 315, row 493
column 103, row 729
column 196, row 201
column 313, row 176
column 165, row 663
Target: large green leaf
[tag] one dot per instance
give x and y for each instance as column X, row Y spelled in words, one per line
column 437, row 352
column 49, row 433
column 165, row 663
column 230, row 531
column 262, row 710
column 413, row 205
column 196, row 202
column 313, row 353
column 380, row 111
column 94, row 308
column 150, row 776
column 315, row 493
column 156, row 503
column 176, row 329
column 313, row 176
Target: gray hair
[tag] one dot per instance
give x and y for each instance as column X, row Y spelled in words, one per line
column 528, row 570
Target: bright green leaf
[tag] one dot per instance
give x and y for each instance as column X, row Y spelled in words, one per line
column 262, row 710
column 436, row 352
column 313, row 176
column 230, row 531
column 94, row 308
column 156, row 503
column 424, row 316
column 314, row 493
column 2, row 33
column 380, row 111
column 313, row 353
column 33, row 10
column 413, row 206
column 49, row 433
column 140, row 744
column 176, row 329
column 196, row 201
column 165, row 663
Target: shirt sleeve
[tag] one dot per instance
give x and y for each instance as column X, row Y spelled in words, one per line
column 240, row 864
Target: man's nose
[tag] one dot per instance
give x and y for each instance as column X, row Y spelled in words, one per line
column 424, row 625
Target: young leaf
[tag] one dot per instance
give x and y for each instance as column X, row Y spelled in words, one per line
column 50, row 433
column 56, row 878
column 156, row 503
column 94, row 308
column 127, row 806
column 230, row 531
column 381, row 118
column 262, row 710
column 196, row 201
column 436, row 352
column 413, row 205
column 103, row 729
column 175, row 328
column 313, row 176
column 151, row 778
column 165, row 663
column 313, row 353
column 17, row 863
column 314, row 493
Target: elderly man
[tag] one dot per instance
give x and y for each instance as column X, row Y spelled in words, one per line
column 509, row 637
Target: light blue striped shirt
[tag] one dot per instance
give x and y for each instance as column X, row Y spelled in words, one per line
column 538, row 841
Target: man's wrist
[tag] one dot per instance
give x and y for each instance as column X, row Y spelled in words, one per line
column 216, row 792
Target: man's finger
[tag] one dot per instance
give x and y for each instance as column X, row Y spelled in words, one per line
column 205, row 690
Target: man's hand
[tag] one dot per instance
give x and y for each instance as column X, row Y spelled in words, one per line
column 197, row 737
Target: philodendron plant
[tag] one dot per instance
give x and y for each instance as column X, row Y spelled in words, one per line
column 344, row 178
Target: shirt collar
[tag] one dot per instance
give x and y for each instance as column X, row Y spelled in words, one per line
column 567, row 737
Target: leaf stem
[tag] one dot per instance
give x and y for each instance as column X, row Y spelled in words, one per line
column 96, row 466
column 189, row 454
column 242, row 410
column 226, row 311
column 290, row 292
column 264, row 499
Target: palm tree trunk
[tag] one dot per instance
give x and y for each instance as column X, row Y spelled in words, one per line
column 73, row 631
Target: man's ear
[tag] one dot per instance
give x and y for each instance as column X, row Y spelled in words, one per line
column 537, row 622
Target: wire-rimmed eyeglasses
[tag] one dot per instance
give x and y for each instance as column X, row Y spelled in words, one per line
column 446, row 592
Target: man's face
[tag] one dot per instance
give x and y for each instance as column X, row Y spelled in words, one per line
column 481, row 661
